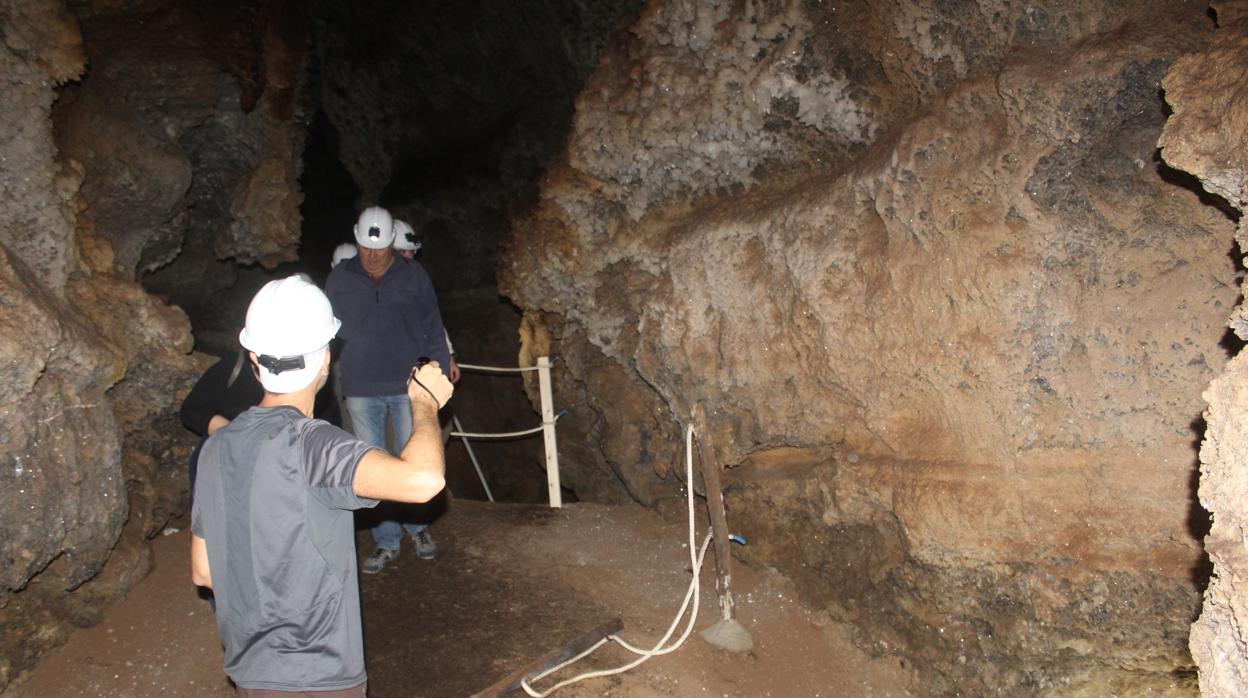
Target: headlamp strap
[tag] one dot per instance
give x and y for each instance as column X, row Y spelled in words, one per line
column 276, row 365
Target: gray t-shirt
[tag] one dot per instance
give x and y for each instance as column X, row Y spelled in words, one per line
column 273, row 503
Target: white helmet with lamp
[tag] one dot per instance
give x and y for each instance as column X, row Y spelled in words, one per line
column 289, row 325
column 375, row 228
column 405, row 237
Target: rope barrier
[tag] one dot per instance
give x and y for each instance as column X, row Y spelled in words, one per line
column 496, row 369
column 658, row 649
column 547, row 426
column 508, row 434
column 505, row 369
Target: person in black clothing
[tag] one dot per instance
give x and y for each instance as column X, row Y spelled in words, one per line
column 225, row 391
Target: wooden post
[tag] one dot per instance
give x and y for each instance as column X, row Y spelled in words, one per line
column 715, row 508
column 548, row 432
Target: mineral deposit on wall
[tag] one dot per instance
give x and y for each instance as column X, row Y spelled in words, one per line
column 1207, row 136
column 945, row 307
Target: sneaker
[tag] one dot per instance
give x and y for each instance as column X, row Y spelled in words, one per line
column 426, row 549
column 378, row 560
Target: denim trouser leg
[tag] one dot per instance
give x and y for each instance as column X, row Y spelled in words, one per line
column 368, row 418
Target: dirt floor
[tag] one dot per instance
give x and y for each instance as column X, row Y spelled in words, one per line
column 510, row 583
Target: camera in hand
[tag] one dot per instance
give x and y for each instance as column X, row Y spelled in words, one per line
column 420, row 363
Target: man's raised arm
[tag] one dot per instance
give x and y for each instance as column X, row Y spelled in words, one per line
column 419, row 473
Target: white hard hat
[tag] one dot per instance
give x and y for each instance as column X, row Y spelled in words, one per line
column 289, row 325
column 405, row 237
column 342, row 253
column 375, row 228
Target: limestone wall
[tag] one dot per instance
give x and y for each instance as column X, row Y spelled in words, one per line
column 1207, row 136
column 183, row 129
column 944, row 304
column 92, row 367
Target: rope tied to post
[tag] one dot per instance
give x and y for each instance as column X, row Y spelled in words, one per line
column 695, row 560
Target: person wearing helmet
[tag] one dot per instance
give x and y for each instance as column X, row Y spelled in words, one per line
column 342, row 253
column 226, row 390
column 406, row 245
column 405, row 242
column 338, row 410
column 390, row 318
column 273, row 532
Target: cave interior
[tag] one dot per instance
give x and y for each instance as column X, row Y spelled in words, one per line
column 956, row 285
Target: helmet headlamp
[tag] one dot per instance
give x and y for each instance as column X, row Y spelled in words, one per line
column 276, row 366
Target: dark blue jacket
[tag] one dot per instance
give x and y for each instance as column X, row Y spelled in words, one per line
column 386, row 326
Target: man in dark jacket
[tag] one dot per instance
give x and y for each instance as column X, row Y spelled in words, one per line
column 390, row 318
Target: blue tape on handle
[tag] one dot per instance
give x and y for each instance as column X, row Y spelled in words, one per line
column 736, row 539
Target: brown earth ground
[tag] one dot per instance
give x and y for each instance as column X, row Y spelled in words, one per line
column 510, row 583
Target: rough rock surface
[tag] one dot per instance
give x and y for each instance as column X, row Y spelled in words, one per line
column 94, row 455
column 1207, row 136
column 92, row 458
column 940, row 298
column 182, row 127
column 41, row 48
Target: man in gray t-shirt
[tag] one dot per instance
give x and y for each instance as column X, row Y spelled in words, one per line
column 272, row 520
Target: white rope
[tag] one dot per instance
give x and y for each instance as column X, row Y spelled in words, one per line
column 507, row 434
column 695, row 561
column 498, row 369
column 500, row 435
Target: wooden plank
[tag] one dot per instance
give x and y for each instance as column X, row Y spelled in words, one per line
column 711, row 468
column 553, row 658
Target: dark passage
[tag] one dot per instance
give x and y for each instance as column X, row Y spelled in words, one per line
column 446, row 114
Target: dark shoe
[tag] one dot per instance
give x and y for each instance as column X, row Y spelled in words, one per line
column 426, row 549
column 378, row 560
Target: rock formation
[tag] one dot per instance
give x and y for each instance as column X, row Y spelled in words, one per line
column 1207, row 137
column 947, row 311
column 168, row 139
column 183, row 128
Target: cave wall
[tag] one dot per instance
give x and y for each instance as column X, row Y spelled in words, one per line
column 1207, row 136
column 97, row 184
column 88, row 362
column 948, row 312
column 182, row 128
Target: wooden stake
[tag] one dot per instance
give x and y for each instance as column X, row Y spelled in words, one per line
column 711, row 468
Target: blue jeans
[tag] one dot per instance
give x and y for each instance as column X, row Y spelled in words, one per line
column 368, row 419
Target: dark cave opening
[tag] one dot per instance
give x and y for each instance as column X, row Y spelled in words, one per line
column 449, row 134
column 329, row 199
column 471, row 102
